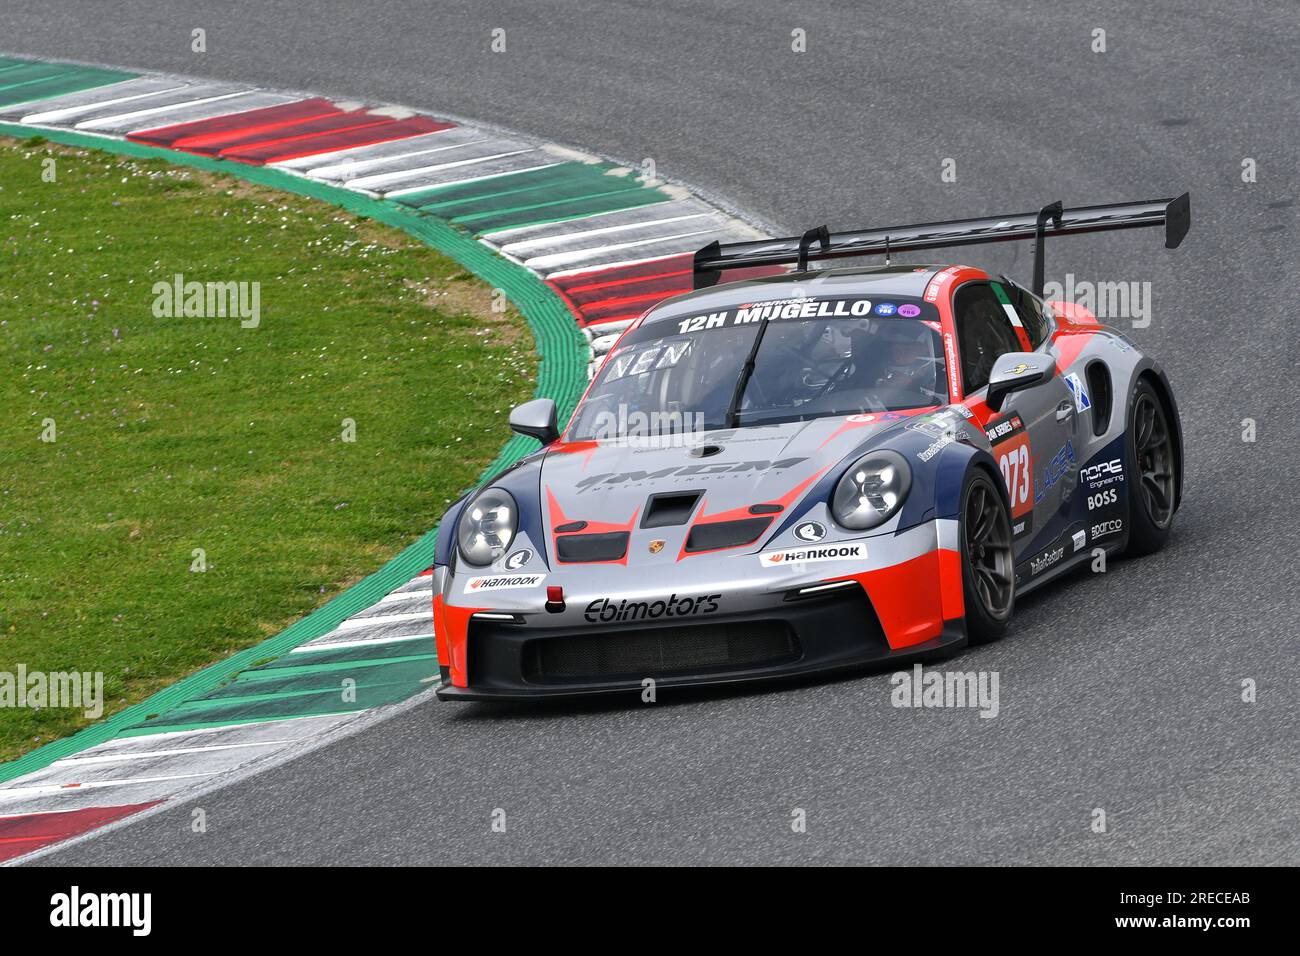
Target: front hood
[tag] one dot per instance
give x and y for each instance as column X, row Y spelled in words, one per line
column 608, row 484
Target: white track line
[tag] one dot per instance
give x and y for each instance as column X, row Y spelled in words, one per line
column 390, row 160
column 352, row 623
column 527, row 162
column 94, row 785
column 339, row 645
column 193, row 112
column 116, row 119
column 148, row 754
column 61, row 114
column 381, row 182
column 403, row 595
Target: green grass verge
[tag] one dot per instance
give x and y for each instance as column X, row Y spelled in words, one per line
column 177, row 433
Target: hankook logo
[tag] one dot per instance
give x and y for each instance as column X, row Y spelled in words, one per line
column 504, row 582
column 829, row 552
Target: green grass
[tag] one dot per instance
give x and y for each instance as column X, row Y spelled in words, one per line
column 182, row 433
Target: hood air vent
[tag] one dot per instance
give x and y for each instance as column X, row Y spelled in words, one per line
column 663, row 511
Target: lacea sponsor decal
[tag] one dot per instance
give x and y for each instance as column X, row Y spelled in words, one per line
column 1046, row 560
column 605, row 611
column 829, row 552
column 1103, row 473
column 504, row 582
column 1056, row 469
column 1105, row 528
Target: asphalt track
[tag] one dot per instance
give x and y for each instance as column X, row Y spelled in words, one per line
column 1118, row 691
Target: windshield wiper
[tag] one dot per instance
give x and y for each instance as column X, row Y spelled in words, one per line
column 733, row 408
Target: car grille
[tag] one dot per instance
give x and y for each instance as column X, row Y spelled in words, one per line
column 659, row 651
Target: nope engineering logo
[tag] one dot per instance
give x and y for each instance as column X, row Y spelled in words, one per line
column 605, row 611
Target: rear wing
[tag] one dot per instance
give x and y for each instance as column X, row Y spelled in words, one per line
column 1053, row 220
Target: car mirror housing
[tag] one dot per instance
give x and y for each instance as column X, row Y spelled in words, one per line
column 1015, row 371
column 536, row 419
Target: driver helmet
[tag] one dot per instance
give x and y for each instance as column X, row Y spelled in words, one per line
column 906, row 348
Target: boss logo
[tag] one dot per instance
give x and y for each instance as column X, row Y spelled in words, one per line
column 1102, row 498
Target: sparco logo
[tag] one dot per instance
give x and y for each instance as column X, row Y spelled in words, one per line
column 1107, row 527
column 829, row 552
column 505, row 582
column 606, row 611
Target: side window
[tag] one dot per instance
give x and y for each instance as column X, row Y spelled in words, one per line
column 983, row 332
column 1030, row 310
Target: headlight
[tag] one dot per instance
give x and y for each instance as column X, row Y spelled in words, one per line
column 487, row 526
column 871, row 491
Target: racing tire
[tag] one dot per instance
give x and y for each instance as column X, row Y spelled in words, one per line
column 988, row 566
column 1152, row 467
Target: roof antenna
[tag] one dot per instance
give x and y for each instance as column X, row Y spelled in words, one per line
column 886, row 249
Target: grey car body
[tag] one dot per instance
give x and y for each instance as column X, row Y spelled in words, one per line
column 718, row 555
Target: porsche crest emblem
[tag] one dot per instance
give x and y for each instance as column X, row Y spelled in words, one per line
column 656, row 546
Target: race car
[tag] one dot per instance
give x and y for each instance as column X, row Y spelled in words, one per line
column 813, row 470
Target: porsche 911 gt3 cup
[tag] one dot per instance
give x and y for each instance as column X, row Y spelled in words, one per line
column 812, row 471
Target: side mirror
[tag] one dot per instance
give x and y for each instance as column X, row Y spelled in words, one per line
column 1016, row 371
column 536, row 419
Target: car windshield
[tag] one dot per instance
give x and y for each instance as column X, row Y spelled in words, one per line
column 814, row 358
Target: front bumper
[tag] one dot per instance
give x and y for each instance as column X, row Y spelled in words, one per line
column 821, row 633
